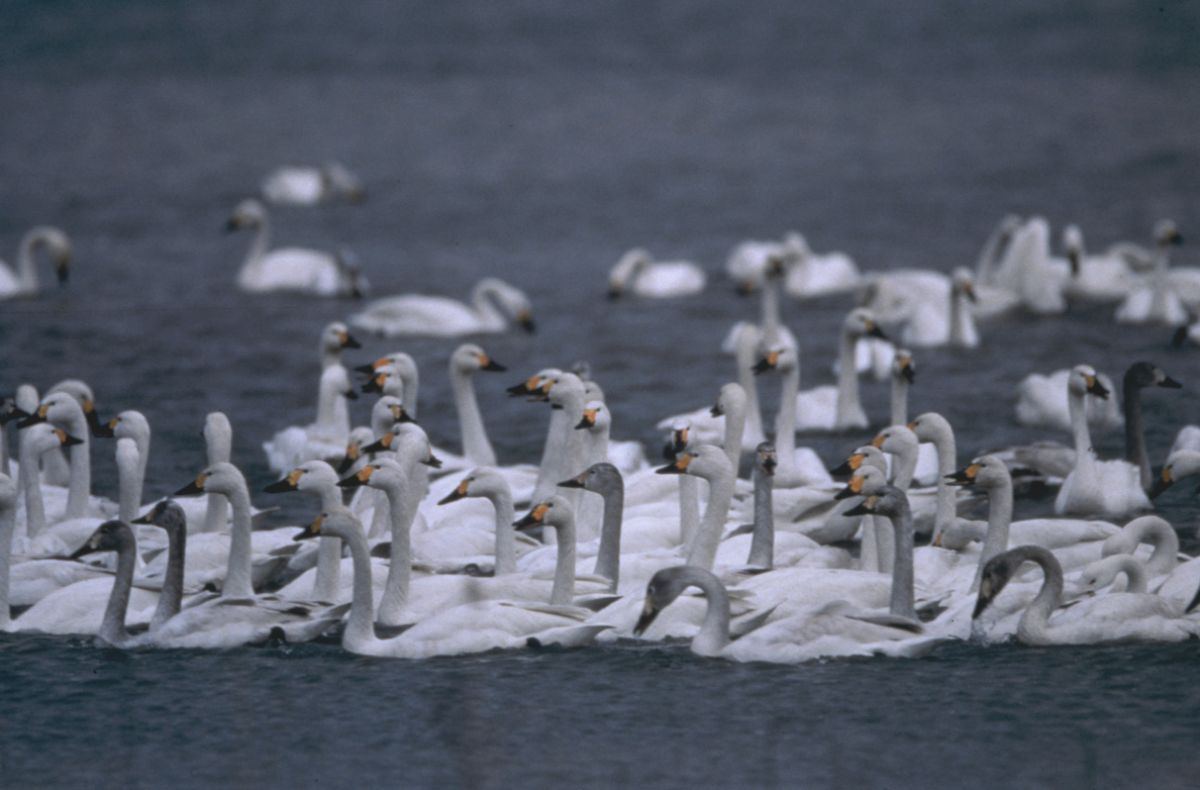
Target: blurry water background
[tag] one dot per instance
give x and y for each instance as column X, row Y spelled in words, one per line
column 537, row 141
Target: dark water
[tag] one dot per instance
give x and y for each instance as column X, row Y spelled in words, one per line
column 537, row 141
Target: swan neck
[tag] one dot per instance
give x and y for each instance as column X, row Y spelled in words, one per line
column 608, row 558
column 8, row 526
column 238, row 577
column 689, row 510
column 256, row 254
column 771, row 333
column 563, row 591
column 744, row 359
column 80, row 485
column 28, row 482
column 947, row 495
column 129, row 484
column 112, row 627
column 785, row 422
column 1079, row 427
column 1164, row 539
column 848, row 406
column 360, row 629
column 902, row 564
column 395, row 593
column 899, row 400
column 1034, row 623
column 713, row 635
column 762, row 544
column 720, row 492
column 1135, row 433
column 1000, row 513
column 476, row 447
column 735, row 429
column 506, row 553
column 171, row 597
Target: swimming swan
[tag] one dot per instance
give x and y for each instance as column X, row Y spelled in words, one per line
column 493, row 304
column 24, row 281
column 306, row 185
column 291, row 268
column 638, row 273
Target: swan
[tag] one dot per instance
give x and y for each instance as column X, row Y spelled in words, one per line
column 797, row 467
column 838, row 408
column 489, row 484
column 64, row 412
column 24, row 281
column 308, row 185
column 1028, row 270
column 335, row 338
column 404, row 367
column 1095, row 487
column 1096, row 278
column 1170, row 578
column 811, row 274
column 465, row 362
column 291, row 268
column 493, row 304
column 467, row 628
column 933, row 310
column 1115, row 617
column 35, row 441
column 319, row 478
column 322, row 439
column 742, row 409
column 904, row 375
column 709, row 463
column 1159, row 301
column 932, row 429
column 993, row 299
column 1042, row 402
column 638, row 273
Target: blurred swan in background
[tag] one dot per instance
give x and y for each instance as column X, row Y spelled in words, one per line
column 309, row 185
column 639, row 274
column 24, row 281
column 493, row 305
column 291, row 268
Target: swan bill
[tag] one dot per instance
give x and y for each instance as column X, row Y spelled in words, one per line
column 649, row 613
column 849, row 466
column 383, row 443
column 769, row 362
column 534, row 517
column 527, row 387
column 768, row 460
column 432, row 461
column 679, row 467
column 358, row 479
column 195, row 487
column 487, row 363
column 99, row 430
column 964, row 477
column 62, row 269
column 574, row 482
column 1165, row 480
column 1094, row 387
column 588, row 420
column 459, row 492
column 873, row 330
column 65, row 439
column 864, row 508
column 289, row 483
column 526, row 322
column 347, row 340
column 313, row 530
column 39, row 415
column 10, row 412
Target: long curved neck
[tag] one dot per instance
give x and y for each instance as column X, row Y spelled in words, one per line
column 903, row 466
column 483, row 299
column 171, row 597
column 1000, row 513
column 557, row 454
column 329, row 416
column 1135, row 433
column 744, row 359
column 360, row 628
column 1034, row 624
column 1135, row 572
column 129, row 482
column 713, row 635
column 1166, row 545
column 902, row 564
column 704, row 548
column 238, row 577
column 506, row 552
column 395, row 593
column 947, row 452
column 217, row 513
column 1079, row 428
column 80, row 487
column 28, row 482
column 962, row 322
column 26, row 265
column 257, row 252
column 848, row 406
column 689, row 510
column 329, row 550
column 476, row 447
column 563, row 591
column 8, row 526
column 771, row 332
column 785, row 422
column 735, row 429
column 410, row 381
column 899, row 400
column 608, row 558
column 112, row 627
column 762, row 544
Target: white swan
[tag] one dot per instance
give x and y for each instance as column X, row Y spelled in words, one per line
column 1158, row 301
column 291, row 268
column 797, row 466
column 1028, row 270
column 638, row 273
column 24, row 281
column 829, row 408
column 904, row 375
column 493, row 305
column 1042, row 402
column 403, row 367
column 1096, row 278
column 465, row 362
column 323, row 439
column 1095, row 487
column 467, row 628
column 308, row 185
column 812, row 274
column 1115, row 617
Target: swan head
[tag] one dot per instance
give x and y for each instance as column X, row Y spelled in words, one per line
column 554, row 511
column 886, row 500
column 903, row 368
column 469, row 358
column 1166, row 234
column 218, row 437
column 387, row 413
column 166, row 514
column 963, row 283
column 308, row 476
column 781, row 359
column 9, row 411
column 397, row 359
column 386, row 381
column 58, row 408
column 596, row 417
column 1147, row 374
column 562, row 389
column 867, row 455
column 732, row 397
column 382, row 473
column 931, row 426
column 867, row 480
column 706, row 461
column 338, row 523
column 896, row 439
column 1099, row 574
column 250, row 213
column 129, row 424
column 997, row 573
column 359, row 438
column 483, row 481
column 599, row 478
column 986, row 472
column 1180, row 464
column 663, row 588
column 625, row 270
column 765, row 458
column 409, row 442
column 536, row 386
column 1085, row 381
column 861, row 322
column 43, row 436
column 336, row 337
column 220, row 478
column 110, row 536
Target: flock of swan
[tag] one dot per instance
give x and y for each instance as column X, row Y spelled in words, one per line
column 418, row 551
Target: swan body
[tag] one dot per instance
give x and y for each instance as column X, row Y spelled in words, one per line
column 306, row 185
column 638, row 273
column 1159, row 300
column 1028, row 271
column 291, row 268
column 492, row 306
column 24, row 280
column 1106, row 277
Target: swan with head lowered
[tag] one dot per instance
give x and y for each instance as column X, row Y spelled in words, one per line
column 493, row 305
column 24, row 281
column 1114, row 617
column 311, row 185
column 471, row 627
column 296, row 269
column 639, row 274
